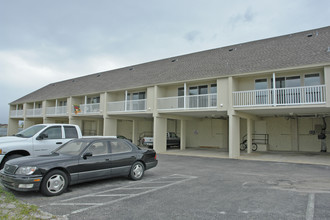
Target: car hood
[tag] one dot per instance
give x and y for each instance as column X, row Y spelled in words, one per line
column 10, row 139
column 40, row 161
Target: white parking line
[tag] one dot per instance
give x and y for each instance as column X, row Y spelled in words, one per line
column 169, row 181
column 310, row 207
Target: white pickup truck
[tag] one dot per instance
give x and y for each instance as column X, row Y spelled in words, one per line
column 36, row 140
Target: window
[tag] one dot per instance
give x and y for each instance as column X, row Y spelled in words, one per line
column 279, row 82
column 93, row 100
column 260, row 84
column 213, row 91
column 312, row 94
column 200, row 101
column 312, row 79
column 63, row 103
column 118, row 146
column 261, row 94
column 293, row 81
column 70, row 132
column 53, row 133
column 98, row 148
column 181, row 99
column 134, row 101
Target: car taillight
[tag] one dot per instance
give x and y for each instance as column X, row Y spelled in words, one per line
column 155, row 156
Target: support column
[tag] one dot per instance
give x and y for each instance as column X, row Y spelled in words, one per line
column 28, row 123
column 234, row 136
column 160, row 128
column 12, row 127
column 249, row 135
column 110, row 127
column 327, row 84
column 135, row 135
column 183, row 135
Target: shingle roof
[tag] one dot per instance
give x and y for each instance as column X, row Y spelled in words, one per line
column 288, row 51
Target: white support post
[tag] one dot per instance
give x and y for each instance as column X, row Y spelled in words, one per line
column 56, row 107
column 184, row 95
column 126, row 100
column 274, row 89
column 85, row 104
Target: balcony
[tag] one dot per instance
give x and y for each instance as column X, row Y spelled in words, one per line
column 188, row 102
column 128, row 106
column 87, row 109
column 16, row 113
column 57, row 111
column 307, row 95
column 36, row 112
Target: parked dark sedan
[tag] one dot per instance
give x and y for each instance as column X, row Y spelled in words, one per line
column 77, row 161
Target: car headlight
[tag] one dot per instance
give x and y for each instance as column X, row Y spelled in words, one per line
column 25, row 170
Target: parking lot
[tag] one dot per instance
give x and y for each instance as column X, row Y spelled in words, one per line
column 184, row 187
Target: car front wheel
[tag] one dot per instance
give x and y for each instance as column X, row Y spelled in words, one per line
column 137, row 171
column 54, row 183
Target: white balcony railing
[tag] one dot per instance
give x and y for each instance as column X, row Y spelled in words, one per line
column 36, row 112
column 128, row 106
column 57, row 111
column 188, row 102
column 86, row 109
column 16, row 113
column 281, row 97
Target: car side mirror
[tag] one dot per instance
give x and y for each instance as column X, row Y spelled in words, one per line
column 42, row 136
column 86, row 155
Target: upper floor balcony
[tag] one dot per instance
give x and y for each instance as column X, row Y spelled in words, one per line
column 57, row 111
column 86, row 109
column 16, row 113
column 190, row 102
column 35, row 112
column 306, row 95
column 139, row 105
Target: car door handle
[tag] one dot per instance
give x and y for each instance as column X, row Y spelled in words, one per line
column 59, row 143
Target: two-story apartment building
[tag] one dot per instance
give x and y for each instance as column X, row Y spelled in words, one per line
column 275, row 92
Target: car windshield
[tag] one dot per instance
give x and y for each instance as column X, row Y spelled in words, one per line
column 74, row 147
column 29, row 132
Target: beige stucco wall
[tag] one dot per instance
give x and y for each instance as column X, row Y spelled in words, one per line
column 284, row 134
column 207, row 133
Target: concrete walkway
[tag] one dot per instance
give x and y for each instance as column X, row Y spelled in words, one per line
column 290, row 157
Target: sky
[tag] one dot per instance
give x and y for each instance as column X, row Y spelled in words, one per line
column 42, row 41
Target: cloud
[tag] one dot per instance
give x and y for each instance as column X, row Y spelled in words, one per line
column 192, row 36
column 247, row 16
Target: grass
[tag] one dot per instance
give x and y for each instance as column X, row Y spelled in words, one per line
column 13, row 209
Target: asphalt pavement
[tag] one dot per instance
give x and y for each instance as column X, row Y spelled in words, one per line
column 185, row 187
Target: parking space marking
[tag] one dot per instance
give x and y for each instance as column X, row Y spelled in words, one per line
column 160, row 183
column 310, row 207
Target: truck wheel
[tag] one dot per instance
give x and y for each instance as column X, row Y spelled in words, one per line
column 137, row 171
column 54, row 183
column 10, row 157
